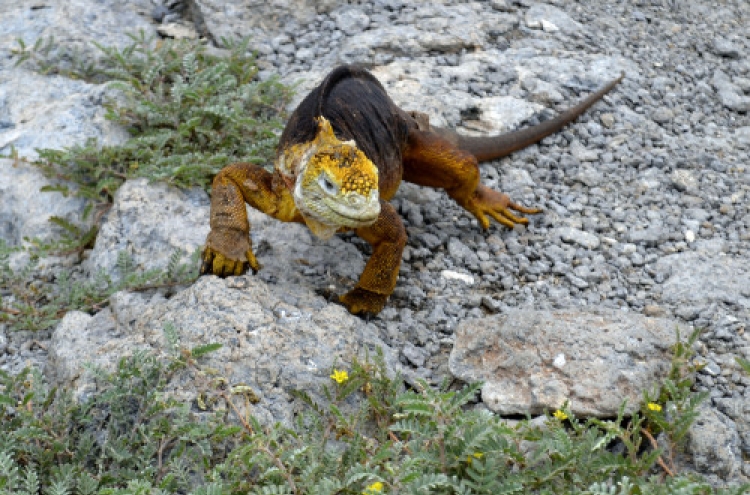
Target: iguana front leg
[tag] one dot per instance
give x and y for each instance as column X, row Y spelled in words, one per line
column 387, row 236
column 228, row 248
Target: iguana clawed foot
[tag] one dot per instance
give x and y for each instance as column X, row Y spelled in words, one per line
column 497, row 205
column 228, row 253
column 363, row 302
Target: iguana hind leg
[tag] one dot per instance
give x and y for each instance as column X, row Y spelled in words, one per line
column 432, row 160
column 387, row 237
column 228, row 248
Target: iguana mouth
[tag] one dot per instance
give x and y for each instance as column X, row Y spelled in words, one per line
column 359, row 212
column 325, row 219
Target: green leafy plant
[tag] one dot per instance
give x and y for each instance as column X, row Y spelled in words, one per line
column 673, row 408
column 33, row 303
column 369, row 434
column 128, row 437
column 48, row 57
column 189, row 111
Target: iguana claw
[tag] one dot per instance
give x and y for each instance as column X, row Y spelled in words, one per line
column 217, row 261
column 497, row 205
column 217, row 264
column 363, row 302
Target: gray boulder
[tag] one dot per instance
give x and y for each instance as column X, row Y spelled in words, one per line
column 24, row 210
column 51, row 112
column 73, row 24
column 532, row 361
column 261, row 20
column 704, row 277
column 274, row 340
column 149, row 222
column 714, row 444
column 435, row 28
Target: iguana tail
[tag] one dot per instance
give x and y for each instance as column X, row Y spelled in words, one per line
column 491, row 147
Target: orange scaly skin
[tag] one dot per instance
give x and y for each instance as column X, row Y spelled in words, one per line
column 341, row 157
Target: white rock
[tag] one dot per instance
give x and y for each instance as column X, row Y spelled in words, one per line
column 52, row 112
column 452, row 275
column 25, row 211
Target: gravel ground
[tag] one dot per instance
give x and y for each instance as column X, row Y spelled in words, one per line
column 659, row 170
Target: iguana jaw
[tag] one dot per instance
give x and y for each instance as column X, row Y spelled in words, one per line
column 325, row 215
column 334, row 184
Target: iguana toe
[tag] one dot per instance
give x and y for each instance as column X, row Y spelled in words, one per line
column 218, row 264
column 252, row 262
column 498, row 206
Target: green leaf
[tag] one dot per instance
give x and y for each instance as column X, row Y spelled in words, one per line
column 205, row 349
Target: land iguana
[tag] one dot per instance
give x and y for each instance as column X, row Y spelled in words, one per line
column 341, row 158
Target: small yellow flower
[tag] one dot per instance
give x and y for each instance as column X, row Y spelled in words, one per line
column 652, row 406
column 560, row 415
column 376, row 487
column 340, row 376
column 475, row 455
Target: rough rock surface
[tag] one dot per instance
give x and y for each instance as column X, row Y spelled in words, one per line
column 260, row 19
column 715, row 445
column 51, row 112
column 21, row 218
column 703, row 278
column 535, row 361
column 149, row 222
column 273, row 340
column 73, row 25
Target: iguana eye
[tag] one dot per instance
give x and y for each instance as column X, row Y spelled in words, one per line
column 327, row 184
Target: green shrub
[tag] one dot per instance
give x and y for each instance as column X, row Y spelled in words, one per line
column 189, row 111
column 130, row 438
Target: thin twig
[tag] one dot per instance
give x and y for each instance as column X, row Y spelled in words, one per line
column 655, row 445
column 281, row 467
column 163, row 445
column 393, row 436
column 245, row 424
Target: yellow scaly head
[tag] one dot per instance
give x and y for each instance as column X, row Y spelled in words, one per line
column 336, row 184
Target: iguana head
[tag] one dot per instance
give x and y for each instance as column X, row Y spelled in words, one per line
column 333, row 183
